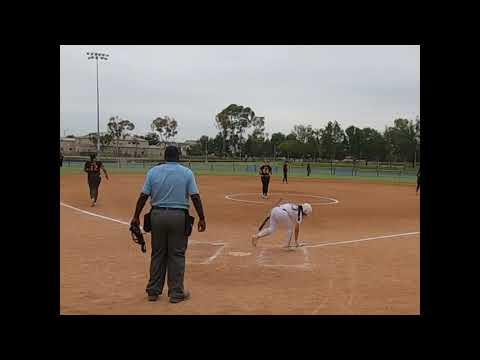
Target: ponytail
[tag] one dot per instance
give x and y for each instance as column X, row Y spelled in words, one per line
column 299, row 213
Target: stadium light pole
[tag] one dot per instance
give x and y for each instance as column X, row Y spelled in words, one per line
column 96, row 56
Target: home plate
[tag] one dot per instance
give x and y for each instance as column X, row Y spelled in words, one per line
column 239, row 253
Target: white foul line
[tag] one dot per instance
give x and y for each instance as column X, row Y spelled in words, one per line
column 365, row 239
column 93, row 214
column 126, row 223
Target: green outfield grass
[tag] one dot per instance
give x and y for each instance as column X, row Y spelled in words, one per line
column 141, row 170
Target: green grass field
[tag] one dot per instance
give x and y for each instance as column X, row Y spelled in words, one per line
column 394, row 178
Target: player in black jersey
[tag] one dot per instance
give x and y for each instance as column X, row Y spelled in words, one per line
column 265, row 172
column 285, row 172
column 92, row 168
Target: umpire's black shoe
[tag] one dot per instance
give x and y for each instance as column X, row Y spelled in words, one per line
column 186, row 296
column 152, row 297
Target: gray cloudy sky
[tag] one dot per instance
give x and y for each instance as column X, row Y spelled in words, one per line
column 289, row 85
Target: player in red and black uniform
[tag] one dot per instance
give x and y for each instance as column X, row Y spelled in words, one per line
column 92, row 168
column 265, row 172
column 285, row 172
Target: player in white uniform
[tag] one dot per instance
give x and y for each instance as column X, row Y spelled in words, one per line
column 290, row 215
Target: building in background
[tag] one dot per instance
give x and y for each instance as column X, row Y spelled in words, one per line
column 130, row 146
column 68, row 146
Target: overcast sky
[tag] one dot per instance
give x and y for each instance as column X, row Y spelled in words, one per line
column 289, row 85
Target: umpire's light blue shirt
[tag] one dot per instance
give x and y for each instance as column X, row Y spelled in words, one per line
column 169, row 185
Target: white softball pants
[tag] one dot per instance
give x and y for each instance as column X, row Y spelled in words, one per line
column 278, row 217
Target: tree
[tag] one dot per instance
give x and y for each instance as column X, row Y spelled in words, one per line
column 152, row 138
column 117, row 128
column 332, row 141
column 307, row 137
column 105, row 139
column 233, row 122
column 373, row 144
column 354, row 142
column 402, row 139
column 317, row 141
column 166, row 127
column 223, row 123
column 215, row 145
column 303, row 133
column 291, row 136
column 276, row 140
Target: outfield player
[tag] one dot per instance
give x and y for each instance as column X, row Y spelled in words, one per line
column 285, row 172
column 265, row 172
column 292, row 216
column 92, row 168
column 309, row 169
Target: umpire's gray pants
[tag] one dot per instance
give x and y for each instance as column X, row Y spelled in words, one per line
column 169, row 244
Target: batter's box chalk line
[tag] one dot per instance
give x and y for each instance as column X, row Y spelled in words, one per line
column 233, row 197
column 261, row 260
column 239, row 253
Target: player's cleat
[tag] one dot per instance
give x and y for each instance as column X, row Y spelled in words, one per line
column 300, row 244
column 93, row 203
column 254, row 240
column 152, row 297
column 186, row 296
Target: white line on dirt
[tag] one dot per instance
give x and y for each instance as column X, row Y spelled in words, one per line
column 261, row 255
column 360, row 240
column 231, row 197
column 93, row 214
column 213, row 257
column 306, row 257
column 128, row 224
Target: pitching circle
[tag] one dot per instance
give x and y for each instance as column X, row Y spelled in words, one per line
column 234, row 197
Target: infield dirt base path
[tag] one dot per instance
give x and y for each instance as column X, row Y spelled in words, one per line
column 104, row 272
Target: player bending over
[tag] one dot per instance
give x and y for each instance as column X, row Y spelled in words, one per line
column 290, row 215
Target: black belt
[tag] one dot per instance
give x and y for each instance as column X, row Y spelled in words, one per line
column 168, row 208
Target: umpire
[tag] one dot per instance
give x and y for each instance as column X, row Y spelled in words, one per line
column 169, row 185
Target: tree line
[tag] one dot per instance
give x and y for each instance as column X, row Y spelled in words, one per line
column 163, row 129
column 242, row 134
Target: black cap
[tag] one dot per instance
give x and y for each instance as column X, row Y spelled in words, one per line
column 172, row 153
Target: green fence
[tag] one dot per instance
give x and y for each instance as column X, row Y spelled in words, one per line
column 342, row 170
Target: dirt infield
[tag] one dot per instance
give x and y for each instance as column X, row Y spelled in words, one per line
column 373, row 269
